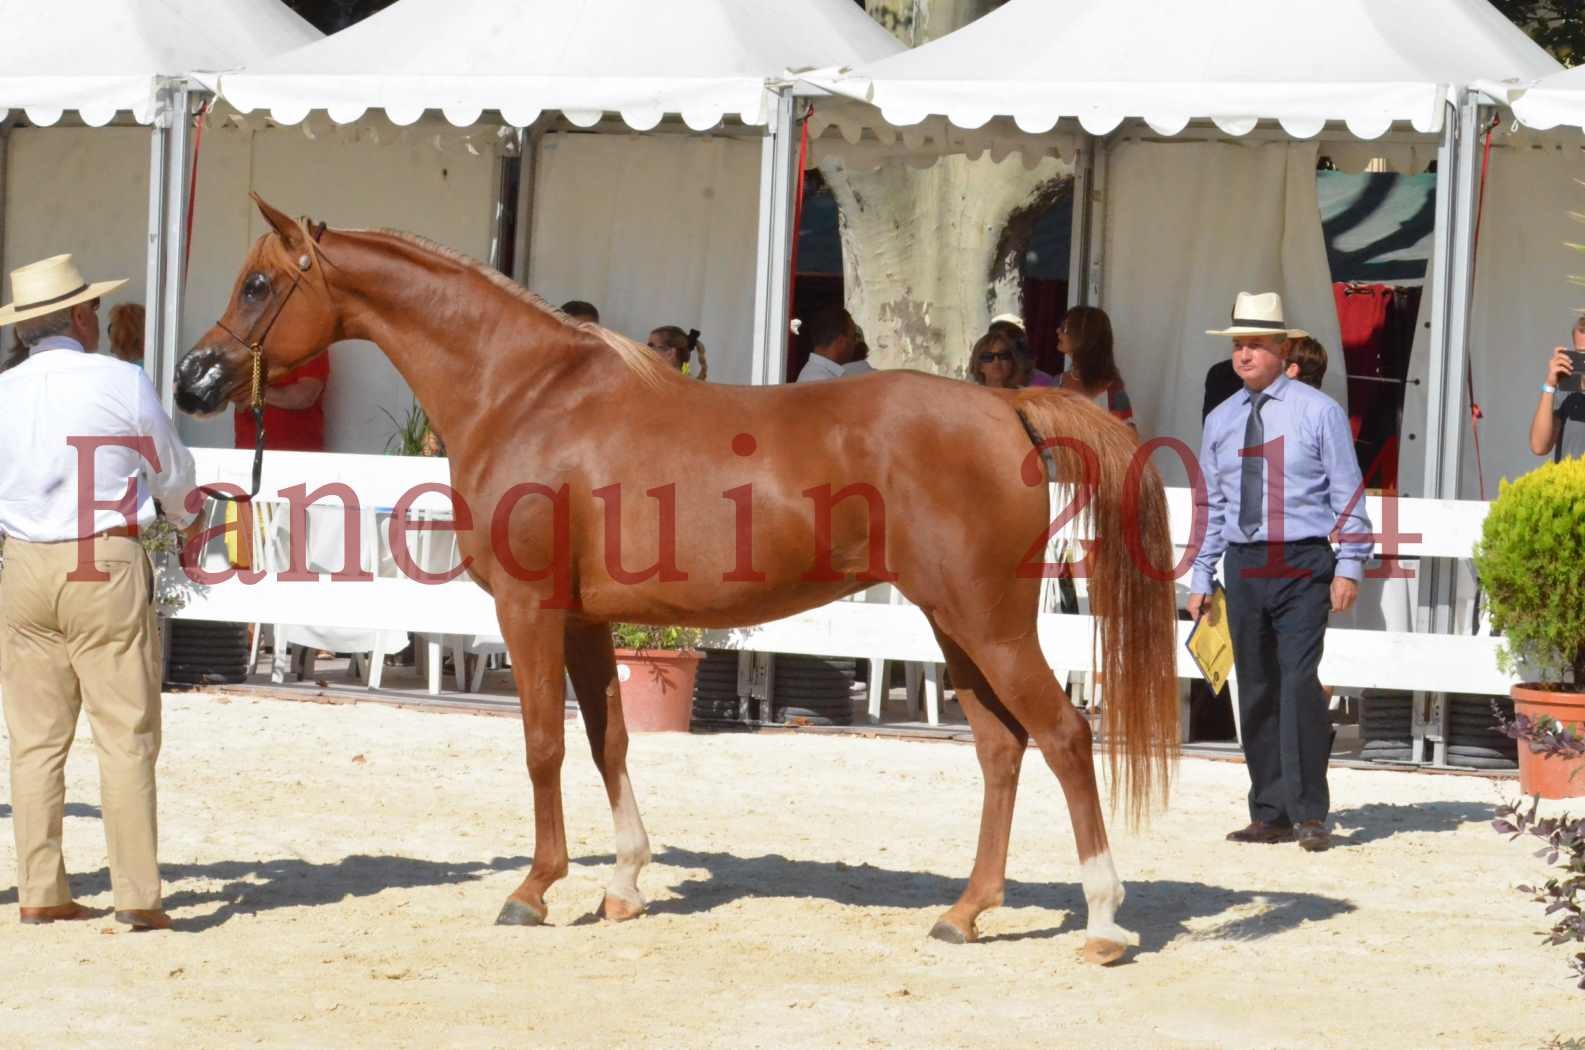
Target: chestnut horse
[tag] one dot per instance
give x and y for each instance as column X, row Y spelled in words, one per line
column 576, row 455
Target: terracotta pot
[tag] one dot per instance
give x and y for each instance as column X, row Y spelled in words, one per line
column 1548, row 775
column 657, row 688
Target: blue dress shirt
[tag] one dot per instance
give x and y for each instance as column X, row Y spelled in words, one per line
column 1320, row 476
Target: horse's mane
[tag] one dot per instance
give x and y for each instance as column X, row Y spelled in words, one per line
column 640, row 360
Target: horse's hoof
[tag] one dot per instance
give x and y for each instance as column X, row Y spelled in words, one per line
column 947, row 933
column 515, row 913
column 615, row 909
column 1102, row 952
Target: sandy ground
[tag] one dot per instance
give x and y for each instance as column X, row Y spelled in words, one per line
column 328, row 901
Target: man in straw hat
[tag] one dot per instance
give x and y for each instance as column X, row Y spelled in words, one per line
column 1280, row 478
column 88, row 448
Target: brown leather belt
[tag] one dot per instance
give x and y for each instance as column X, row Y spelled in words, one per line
column 119, row 532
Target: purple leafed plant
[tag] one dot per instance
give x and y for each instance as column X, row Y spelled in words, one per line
column 1564, row 895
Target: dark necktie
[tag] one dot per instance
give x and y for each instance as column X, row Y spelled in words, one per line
column 1251, row 493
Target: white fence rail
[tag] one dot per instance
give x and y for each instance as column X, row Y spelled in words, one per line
column 1388, row 655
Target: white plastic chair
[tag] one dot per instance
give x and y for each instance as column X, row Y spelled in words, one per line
column 917, row 677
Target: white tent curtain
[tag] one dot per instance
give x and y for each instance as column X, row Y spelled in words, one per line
column 1523, row 303
column 1192, row 225
column 354, row 182
column 654, row 231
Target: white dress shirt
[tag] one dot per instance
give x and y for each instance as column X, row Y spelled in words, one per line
column 60, row 392
column 818, row 368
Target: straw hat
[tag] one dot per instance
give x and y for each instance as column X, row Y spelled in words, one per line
column 1259, row 315
column 1012, row 319
column 54, row 284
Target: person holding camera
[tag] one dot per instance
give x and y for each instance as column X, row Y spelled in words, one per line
column 1562, row 403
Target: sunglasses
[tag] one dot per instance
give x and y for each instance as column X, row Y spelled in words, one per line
column 999, row 355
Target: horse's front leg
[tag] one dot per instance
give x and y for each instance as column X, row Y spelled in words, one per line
column 534, row 638
column 592, row 665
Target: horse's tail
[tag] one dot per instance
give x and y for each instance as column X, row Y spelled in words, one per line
column 1129, row 566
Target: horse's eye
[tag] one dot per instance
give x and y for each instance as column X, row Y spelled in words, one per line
column 255, row 288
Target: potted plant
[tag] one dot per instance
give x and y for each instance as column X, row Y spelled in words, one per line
column 656, row 667
column 412, row 435
column 1531, row 562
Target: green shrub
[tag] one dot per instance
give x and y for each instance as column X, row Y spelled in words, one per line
column 1531, row 561
column 640, row 637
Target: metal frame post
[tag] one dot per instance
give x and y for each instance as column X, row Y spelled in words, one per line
column 1458, row 176
column 1095, row 225
column 178, row 170
column 5, row 158
column 154, row 281
column 1083, row 213
column 773, row 260
column 528, row 143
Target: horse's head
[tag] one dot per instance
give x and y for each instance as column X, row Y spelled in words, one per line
column 280, row 305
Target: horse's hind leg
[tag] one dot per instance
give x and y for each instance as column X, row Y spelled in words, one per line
column 592, row 665
column 534, row 638
column 1000, row 742
column 1023, row 682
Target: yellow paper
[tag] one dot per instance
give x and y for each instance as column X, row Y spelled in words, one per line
column 1211, row 642
column 239, row 548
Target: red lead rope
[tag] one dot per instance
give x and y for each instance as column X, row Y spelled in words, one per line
column 1475, row 414
column 192, row 187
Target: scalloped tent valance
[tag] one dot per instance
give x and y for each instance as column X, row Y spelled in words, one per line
column 1556, row 101
column 1302, row 63
column 704, row 60
column 843, row 130
column 101, row 57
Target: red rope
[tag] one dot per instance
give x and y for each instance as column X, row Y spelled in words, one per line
column 798, row 218
column 1475, row 414
column 192, row 189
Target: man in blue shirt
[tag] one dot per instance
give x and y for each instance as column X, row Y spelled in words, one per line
column 1281, row 479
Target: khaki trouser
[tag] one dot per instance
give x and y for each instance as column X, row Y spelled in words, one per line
column 68, row 645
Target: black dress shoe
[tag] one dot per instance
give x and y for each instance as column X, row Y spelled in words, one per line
column 1263, row 832
column 1313, row 836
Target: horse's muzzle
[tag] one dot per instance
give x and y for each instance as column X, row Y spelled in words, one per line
column 203, row 381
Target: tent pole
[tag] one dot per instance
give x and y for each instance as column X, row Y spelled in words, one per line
column 5, row 157
column 1454, row 244
column 1095, row 225
column 154, row 281
column 178, row 170
column 528, row 142
column 1457, row 175
column 1079, row 238
column 1466, row 187
column 1441, row 266
column 773, row 260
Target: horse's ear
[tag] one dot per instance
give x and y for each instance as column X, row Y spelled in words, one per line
column 290, row 233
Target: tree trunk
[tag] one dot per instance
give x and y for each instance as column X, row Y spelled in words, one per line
column 930, row 256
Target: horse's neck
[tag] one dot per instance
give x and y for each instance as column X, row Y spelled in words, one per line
column 438, row 320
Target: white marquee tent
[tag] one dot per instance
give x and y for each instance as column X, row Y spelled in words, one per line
column 1522, row 302
column 101, row 57
column 1255, row 92
column 83, row 188
column 677, row 227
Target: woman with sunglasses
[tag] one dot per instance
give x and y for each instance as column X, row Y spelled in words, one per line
column 995, row 361
column 1085, row 339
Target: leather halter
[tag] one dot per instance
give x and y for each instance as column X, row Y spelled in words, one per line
column 255, row 348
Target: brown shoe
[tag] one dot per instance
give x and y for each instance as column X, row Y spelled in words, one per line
column 1261, row 831
column 71, row 911
column 151, row 919
column 1313, row 836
